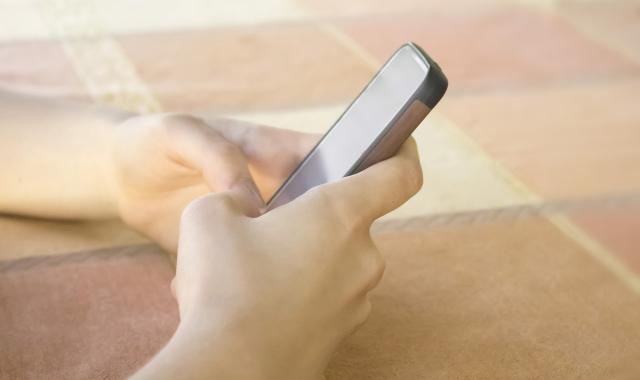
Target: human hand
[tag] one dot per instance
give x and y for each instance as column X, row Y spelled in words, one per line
column 162, row 162
column 272, row 297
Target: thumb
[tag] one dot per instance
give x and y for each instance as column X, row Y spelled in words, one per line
column 246, row 197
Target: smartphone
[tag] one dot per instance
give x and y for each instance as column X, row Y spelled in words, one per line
column 374, row 126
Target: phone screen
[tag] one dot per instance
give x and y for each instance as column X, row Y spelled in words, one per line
column 376, row 108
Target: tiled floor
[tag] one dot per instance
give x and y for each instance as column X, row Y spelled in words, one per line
column 612, row 23
column 493, row 48
column 567, row 141
column 246, row 68
column 542, row 107
column 615, row 227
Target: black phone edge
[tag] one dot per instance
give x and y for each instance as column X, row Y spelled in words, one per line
column 430, row 91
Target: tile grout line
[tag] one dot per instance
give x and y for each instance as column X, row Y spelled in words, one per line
column 350, row 44
column 596, row 250
column 98, row 59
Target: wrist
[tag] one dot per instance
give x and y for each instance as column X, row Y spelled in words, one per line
column 199, row 351
column 112, row 122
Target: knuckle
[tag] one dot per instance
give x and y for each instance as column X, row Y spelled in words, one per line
column 202, row 209
column 260, row 134
column 363, row 313
column 411, row 176
column 334, row 210
column 193, row 210
column 417, row 175
column 168, row 122
column 168, row 125
column 375, row 268
column 222, row 203
column 171, row 123
column 227, row 149
column 380, row 267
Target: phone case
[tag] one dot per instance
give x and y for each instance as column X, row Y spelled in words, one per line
column 425, row 99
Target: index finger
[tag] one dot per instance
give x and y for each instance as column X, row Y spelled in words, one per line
column 222, row 164
column 261, row 143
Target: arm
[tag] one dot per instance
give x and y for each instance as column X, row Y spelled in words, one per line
column 55, row 159
column 62, row 160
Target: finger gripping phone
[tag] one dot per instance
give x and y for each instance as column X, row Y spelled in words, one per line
column 374, row 126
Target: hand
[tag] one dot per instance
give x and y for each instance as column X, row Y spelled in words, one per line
column 162, row 162
column 272, row 297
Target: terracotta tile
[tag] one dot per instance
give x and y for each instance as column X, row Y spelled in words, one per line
column 88, row 315
column 615, row 23
column 473, row 301
column 40, row 68
column 493, row 47
column 617, row 229
column 269, row 66
column 578, row 141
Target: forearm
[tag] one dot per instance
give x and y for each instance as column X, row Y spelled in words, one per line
column 54, row 158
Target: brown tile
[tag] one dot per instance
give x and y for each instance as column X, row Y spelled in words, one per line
column 40, row 68
column 617, row 228
column 246, row 68
column 494, row 301
column 493, row 47
column 571, row 142
column 89, row 315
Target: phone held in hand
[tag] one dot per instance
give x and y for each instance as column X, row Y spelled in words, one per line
column 374, row 126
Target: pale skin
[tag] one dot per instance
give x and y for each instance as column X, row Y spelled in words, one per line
column 260, row 296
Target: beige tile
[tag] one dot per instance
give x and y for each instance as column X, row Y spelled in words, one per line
column 20, row 20
column 24, row 237
column 122, row 16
